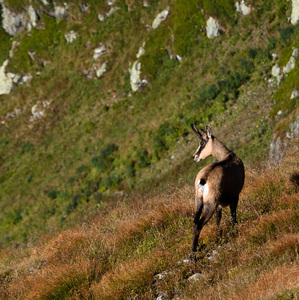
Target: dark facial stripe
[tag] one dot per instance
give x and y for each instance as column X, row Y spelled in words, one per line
column 202, row 146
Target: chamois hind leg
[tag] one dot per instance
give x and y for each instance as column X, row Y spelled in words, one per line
column 218, row 219
column 198, row 210
column 233, row 211
column 208, row 210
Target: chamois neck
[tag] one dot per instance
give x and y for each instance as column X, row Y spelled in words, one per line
column 220, row 151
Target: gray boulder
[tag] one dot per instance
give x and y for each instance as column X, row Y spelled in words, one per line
column 213, row 28
column 295, row 12
column 160, row 18
column 6, row 80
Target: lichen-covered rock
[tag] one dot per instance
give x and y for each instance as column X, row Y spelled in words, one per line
column 6, row 80
column 243, row 8
column 276, row 72
column 292, row 62
column 213, row 28
column 160, row 18
column 136, row 83
column 295, row 12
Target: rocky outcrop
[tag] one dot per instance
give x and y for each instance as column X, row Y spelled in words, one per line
column 213, row 28
column 278, row 144
column 136, row 83
column 160, row 18
column 278, row 73
column 295, row 12
column 13, row 22
column 6, row 80
column 292, row 61
column 243, row 8
column 33, row 18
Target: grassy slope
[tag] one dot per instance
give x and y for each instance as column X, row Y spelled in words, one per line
column 117, row 254
column 57, row 163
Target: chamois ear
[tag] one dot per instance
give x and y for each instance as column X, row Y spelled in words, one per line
column 208, row 130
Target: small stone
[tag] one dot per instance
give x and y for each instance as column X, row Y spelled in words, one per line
column 101, row 17
column 70, row 36
column 195, row 277
column 100, row 71
column 99, row 52
column 243, row 8
column 84, row 7
column 112, row 11
column 141, row 51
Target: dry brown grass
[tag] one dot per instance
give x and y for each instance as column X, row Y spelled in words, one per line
column 117, row 253
column 271, row 283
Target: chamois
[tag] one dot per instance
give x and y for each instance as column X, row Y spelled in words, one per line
column 216, row 185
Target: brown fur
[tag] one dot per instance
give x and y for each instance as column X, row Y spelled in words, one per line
column 216, row 185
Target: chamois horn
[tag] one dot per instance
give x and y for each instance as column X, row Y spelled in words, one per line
column 193, row 126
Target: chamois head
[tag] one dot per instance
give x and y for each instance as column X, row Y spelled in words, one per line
column 205, row 148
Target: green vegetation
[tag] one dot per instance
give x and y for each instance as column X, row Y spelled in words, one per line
column 121, row 162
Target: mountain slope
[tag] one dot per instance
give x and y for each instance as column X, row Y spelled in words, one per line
column 98, row 117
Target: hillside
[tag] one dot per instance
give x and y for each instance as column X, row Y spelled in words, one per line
column 96, row 168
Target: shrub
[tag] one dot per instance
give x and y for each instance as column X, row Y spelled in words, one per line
column 74, row 203
column 104, row 161
column 143, row 158
column 286, row 33
column 52, row 194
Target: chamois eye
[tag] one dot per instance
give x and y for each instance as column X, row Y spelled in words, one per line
column 202, row 142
